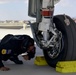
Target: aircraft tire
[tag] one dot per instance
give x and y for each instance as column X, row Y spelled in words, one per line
column 68, row 51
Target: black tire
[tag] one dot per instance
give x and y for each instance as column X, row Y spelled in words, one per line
column 69, row 33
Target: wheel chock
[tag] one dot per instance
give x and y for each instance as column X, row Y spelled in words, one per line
column 66, row 66
column 40, row 61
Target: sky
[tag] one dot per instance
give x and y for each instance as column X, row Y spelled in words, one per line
column 18, row 9
column 66, row 7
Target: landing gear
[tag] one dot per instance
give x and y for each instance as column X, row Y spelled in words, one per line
column 65, row 49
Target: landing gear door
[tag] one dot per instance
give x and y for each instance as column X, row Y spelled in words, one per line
column 32, row 8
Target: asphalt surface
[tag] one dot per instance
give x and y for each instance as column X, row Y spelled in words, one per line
column 28, row 68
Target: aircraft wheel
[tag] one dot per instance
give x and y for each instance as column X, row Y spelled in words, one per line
column 68, row 43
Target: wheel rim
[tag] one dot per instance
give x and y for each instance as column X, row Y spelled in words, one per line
column 55, row 51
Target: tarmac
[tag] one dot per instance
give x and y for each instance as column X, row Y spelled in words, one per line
column 28, row 68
